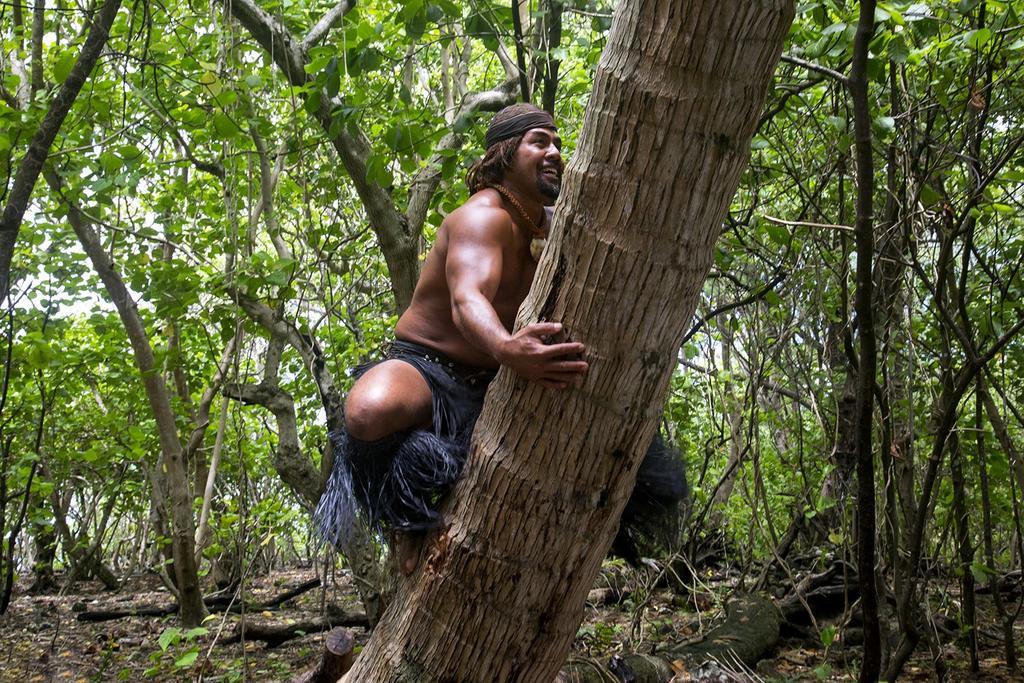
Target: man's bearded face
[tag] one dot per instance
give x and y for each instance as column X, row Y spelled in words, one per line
column 549, row 182
column 539, row 158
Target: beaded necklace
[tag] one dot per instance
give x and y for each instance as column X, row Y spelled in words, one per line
column 538, row 237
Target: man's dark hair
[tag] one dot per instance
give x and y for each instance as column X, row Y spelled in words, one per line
column 491, row 169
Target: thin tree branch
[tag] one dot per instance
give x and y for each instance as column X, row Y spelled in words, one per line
column 817, row 68
column 326, row 23
column 424, row 184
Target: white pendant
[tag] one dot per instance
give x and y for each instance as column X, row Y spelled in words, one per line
column 537, row 245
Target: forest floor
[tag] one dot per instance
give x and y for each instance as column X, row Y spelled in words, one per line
column 43, row 640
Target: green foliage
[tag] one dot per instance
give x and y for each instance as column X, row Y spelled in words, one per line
column 179, row 650
column 162, row 152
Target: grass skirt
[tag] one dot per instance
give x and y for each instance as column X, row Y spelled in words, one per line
column 398, row 481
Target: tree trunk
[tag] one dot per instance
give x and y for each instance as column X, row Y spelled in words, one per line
column 867, row 361
column 499, row 594
column 175, row 474
column 965, row 550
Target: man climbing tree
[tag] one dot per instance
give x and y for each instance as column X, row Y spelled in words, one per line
column 500, row 593
column 409, row 418
column 666, row 136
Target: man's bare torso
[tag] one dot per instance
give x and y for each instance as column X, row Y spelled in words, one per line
column 429, row 319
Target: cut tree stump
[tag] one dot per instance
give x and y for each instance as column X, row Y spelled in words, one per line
column 336, row 661
column 750, row 630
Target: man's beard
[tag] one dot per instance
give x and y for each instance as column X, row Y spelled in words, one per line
column 549, row 188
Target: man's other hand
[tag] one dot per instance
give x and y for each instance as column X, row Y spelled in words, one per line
column 550, row 365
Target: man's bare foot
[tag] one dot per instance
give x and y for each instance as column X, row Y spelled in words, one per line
column 408, row 545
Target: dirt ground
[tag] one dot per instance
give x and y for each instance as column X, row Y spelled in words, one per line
column 43, row 640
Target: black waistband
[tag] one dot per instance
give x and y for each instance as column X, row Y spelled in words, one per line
column 401, row 347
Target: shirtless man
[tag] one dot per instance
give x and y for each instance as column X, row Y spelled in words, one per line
column 469, row 292
column 409, row 418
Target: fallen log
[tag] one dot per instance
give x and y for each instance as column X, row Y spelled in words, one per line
column 750, row 630
column 1011, row 582
column 601, row 597
column 144, row 611
column 824, row 594
column 336, row 661
column 218, row 602
column 274, row 633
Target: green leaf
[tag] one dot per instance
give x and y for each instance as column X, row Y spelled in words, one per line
column 168, row 636
column 836, row 122
column 333, row 84
column 312, row 101
column 462, row 124
column 977, row 39
column 980, row 572
column 224, row 126
column 898, row 50
column 319, row 63
column 478, row 26
column 777, row 233
column 377, row 171
column 759, row 142
column 885, row 123
column 894, row 14
column 110, row 162
column 399, row 137
column 917, row 12
column 187, row 659
column 416, row 24
column 62, row 67
column 929, row 196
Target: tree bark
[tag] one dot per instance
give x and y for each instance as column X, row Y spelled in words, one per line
column 498, row 595
column 866, row 369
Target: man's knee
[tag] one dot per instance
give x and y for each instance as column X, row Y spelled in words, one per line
column 369, row 416
column 391, row 397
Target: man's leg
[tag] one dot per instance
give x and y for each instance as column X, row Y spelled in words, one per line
column 391, row 397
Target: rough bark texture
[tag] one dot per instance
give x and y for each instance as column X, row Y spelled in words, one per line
column 499, row 595
column 337, row 659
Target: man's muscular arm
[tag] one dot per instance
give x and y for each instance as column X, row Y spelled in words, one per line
column 476, row 242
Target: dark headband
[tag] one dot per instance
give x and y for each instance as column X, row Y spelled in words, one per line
column 517, row 125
